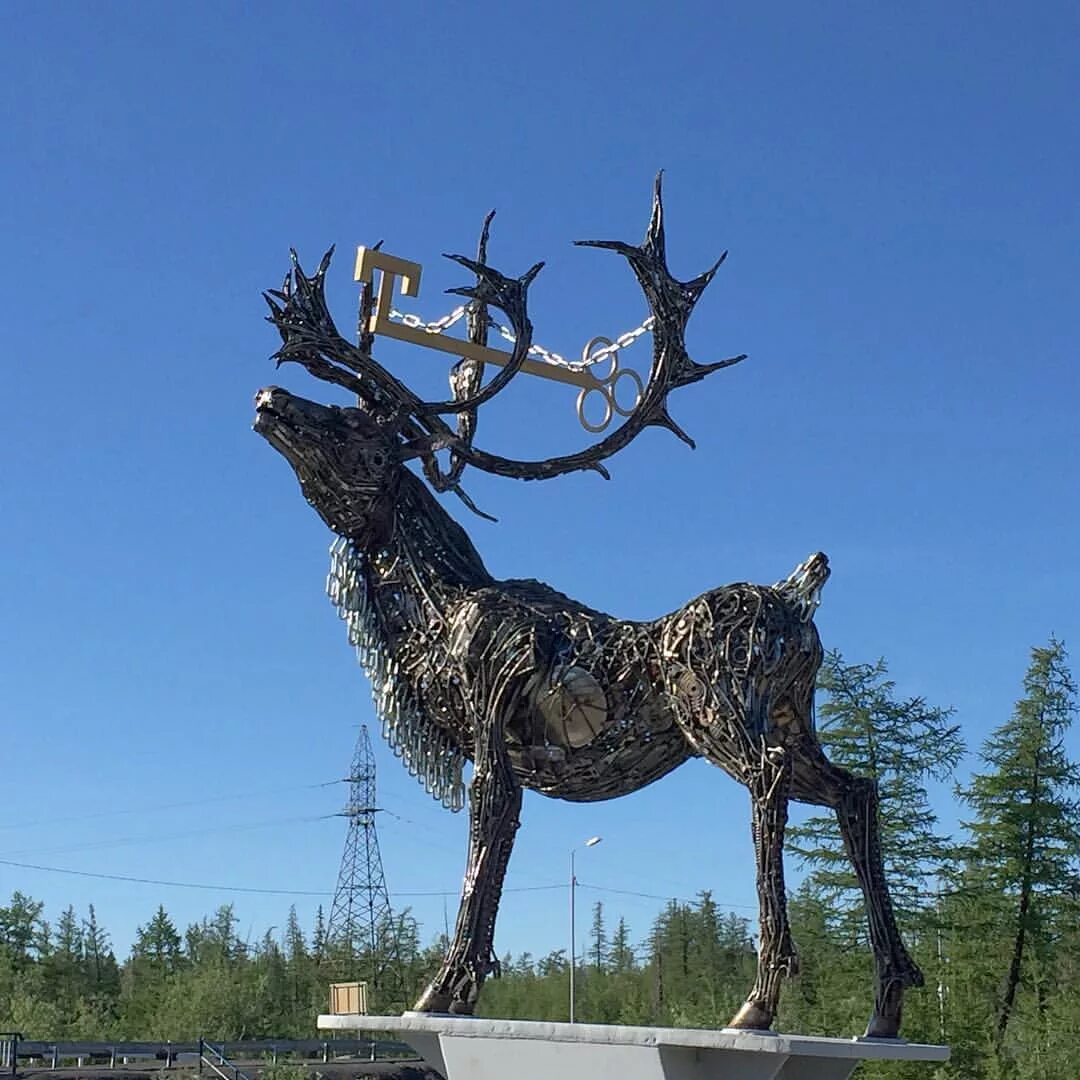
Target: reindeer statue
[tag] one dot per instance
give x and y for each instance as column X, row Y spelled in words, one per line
column 537, row 690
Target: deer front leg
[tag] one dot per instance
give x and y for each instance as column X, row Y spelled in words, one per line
column 494, row 816
column 776, row 954
column 494, row 809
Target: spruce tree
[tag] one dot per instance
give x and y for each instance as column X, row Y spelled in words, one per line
column 63, row 969
column 598, row 941
column 102, row 970
column 1020, row 862
column 318, row 937
column 158, row 943
column 24, row 934
column 69, row 937
column 295, row 946
column 622, row 951
column 902, row 744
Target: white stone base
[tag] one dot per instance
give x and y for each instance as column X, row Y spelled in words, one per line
column 467, row 1048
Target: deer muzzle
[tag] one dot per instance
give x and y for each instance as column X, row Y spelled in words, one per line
column 269, row 405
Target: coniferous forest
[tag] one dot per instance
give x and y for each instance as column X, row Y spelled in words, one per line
column 990, row 911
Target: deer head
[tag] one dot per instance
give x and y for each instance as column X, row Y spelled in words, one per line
column 347, row 459
column 347, row 463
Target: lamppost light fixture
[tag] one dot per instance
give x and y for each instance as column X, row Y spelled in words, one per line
column 591, row 842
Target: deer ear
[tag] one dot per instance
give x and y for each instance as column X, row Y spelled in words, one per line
column 424, row 446
column 410, row 451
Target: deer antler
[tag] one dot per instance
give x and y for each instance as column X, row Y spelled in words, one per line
column 671, row 303
column 467, row 375
column 310, row 338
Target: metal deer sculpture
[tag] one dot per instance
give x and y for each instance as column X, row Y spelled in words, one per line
column 537, row 690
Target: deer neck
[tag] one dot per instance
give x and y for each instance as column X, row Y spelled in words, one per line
column 429, row 548
column 388, row 598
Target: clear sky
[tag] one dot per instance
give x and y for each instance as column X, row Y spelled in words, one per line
column 898, row 190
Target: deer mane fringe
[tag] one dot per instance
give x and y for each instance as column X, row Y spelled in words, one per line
column 426, row 750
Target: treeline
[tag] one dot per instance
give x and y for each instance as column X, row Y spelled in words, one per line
column 991, row 915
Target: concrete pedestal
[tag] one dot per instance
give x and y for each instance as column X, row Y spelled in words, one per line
column 467, row 1048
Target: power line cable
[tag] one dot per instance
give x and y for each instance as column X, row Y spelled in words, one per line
column 656, row 896
column 159, row 881
column 156, row 807
column 317, row 892
column 235, row 888
column 424, row 837
column 157, row 838
column 457, row 892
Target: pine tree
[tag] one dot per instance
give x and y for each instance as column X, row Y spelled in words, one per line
column 270, row 997
column 901, row 744
column 708, row 949
column 101, row 964
column 598, row 945
column 156, row 958
column 399, row 959
column 24, row 934
column 622, row 952
column 64, row 970
column 318, row 937
column 295, row 946
column 158, row 943
column 214, row 939
column 1025, row 835
column 69, row 937
column 555, row 963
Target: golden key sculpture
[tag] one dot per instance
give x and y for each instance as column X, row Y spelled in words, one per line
column 392, row 268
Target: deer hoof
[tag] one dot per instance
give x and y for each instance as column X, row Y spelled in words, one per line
column 433, row 1002
column 883, row 1027
column 752, row 1017
column 885, row 1021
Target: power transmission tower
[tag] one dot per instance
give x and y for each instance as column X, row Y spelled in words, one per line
column 361, row 934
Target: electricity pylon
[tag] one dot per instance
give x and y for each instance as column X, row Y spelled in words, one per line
column 362, row 934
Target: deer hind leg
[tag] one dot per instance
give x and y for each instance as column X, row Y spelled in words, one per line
column 777, row 958
column 854, row 799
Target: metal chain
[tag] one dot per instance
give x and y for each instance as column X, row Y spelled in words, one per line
column 436, row 327
column 537, row 351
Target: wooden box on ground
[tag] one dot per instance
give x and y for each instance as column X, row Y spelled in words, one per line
column 348, row 999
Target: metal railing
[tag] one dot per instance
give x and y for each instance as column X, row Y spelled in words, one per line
column 9, row 1051
column 214, row 1058
column 52, row 1053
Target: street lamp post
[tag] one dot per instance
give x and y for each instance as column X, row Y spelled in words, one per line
column 591, row 842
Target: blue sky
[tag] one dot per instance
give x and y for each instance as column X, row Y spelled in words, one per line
column 897, row 188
